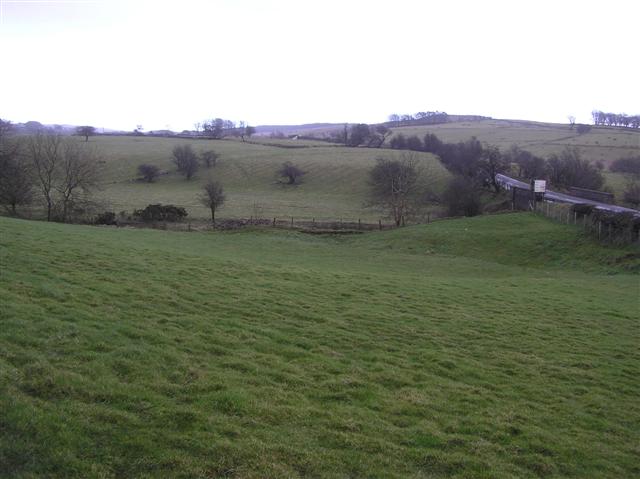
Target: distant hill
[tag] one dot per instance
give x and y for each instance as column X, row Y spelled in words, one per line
column 305, row 129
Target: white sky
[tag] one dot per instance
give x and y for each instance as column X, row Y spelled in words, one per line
column 118, row 63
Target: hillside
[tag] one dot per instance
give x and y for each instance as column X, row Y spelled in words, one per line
column 500, row 347
column 600, row 144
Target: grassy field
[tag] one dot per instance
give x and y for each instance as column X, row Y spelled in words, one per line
column 334, row 187
column 495, row 347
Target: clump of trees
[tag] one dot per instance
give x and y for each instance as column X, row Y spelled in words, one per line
column 213, row 197
column 185, row 160
column 57, row 171
column 422, row 118
column 570, row 169
column 361, row 134
column 291, row 172
column 217, row 128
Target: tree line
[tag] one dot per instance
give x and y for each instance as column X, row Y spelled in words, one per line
column 601, row 118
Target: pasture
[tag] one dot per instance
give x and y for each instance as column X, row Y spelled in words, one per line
column 334, row 187
column 502, row 347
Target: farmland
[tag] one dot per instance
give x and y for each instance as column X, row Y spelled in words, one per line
column 501, row 347
column 335, row 185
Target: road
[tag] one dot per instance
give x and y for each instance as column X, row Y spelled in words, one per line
column 509, row 182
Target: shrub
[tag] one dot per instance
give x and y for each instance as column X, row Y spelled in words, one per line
column 105, row 218
column 148, row 172
column 160, row 212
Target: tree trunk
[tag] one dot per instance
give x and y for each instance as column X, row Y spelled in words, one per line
column 213, row 216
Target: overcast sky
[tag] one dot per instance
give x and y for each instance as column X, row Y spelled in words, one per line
column 168, row 64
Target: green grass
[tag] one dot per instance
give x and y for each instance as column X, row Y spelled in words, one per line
column 334, row 187
column 499, row 347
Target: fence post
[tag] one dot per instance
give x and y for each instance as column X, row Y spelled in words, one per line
column 599, row 229
column 575, row 217
column 359, row 225
column 274, row 222
column 428, row 218
column 380, row 224
column 292, row 221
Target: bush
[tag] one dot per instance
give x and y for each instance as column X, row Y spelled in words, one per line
column 148, row 172
column 462, row 197
column 105, row 218
column 158, row 212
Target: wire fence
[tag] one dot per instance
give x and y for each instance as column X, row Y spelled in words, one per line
column 607, row 227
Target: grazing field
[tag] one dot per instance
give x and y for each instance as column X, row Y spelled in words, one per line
column 334, row 187
column 495, row 347
column 600, row 144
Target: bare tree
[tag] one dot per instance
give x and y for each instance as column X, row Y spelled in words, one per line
column 572, row 121
column 45, row 152
column 186, row 160
column 86, row 131
column 209, row 158
column 213, row 197
column 247, row 131
column 148, row 172
column 394, row 185
column 78, row 176
column 491, row 163
column 381, row 132
column 291, row 172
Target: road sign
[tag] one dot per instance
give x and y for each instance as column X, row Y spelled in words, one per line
column 539, row 186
